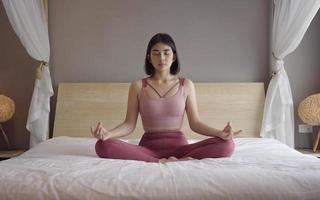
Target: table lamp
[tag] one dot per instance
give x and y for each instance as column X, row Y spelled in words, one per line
column 309, row 113
column 7, row 109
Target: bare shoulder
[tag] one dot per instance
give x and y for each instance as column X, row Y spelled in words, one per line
column 188, row 82
column 136, row 86
column 136, row 83
column 189, row 86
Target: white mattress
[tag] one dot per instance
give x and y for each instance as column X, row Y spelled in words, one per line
column 68, row 168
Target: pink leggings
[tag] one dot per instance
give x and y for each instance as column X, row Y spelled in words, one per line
column 154, row 146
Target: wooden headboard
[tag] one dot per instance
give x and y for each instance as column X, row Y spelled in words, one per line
column 81, row 105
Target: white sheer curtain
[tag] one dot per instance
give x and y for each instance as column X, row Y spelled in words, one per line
column 29, row 21
column 290, row 22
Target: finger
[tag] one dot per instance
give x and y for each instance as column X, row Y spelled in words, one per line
column 100, row 124
column 97, row 127
column 95, row 131
column 228, row 124
column 99, row 135
column 102, row 130
column 226, row 136
column 106, row 137
column 228, row 129
column 91, row 129
column 237, row 132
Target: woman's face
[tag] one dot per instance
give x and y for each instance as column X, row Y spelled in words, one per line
column 161, row 56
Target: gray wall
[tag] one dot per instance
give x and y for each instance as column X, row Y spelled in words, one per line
column 303, row 68
column 16, row 81
column 104, row 40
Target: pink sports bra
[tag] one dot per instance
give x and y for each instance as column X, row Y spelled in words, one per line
column 164, row 113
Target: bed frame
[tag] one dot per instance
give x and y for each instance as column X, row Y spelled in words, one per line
column 81, row 105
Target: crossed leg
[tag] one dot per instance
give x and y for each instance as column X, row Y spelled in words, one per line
column 208, row 148
column 117, row 149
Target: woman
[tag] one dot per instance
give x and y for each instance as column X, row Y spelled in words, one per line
column 162, row 99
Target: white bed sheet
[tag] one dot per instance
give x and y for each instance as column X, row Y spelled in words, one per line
column 68, row 168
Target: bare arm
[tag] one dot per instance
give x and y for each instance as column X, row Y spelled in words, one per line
column 194, row 120
column 129, row 124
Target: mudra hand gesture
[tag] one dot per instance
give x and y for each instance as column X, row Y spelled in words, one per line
column 227, row 132
column 100, row 132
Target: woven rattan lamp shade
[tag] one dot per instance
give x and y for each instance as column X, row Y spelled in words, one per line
column 309, row 110
column 7, row 108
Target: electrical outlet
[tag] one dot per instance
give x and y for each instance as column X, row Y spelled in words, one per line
column 304, row 128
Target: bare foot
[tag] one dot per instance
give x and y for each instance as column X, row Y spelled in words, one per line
column 170, row 159
column 186, row 158
column 173, row 159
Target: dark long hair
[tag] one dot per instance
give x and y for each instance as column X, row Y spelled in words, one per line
column 165, row 39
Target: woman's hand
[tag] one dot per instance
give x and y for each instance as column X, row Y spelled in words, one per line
column 227, row 133
column 100, row 132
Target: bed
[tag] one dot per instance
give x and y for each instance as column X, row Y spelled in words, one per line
column 66, row 166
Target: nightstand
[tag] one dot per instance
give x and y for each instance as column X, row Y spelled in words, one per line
column 10, row 154
column 309, row 152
